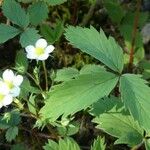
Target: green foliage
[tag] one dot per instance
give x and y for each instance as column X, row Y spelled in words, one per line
column 11, row 133
column 7, row 32
column 66, row 74
column 13, row 11
column 55, row 2
column 29, row 37
column 79, row 93
column 64, row 144
column 20, row 146
column 99, row 144
column 97, row 45
column 52, row 34
column 120, row 125
column 38, row 12
column 135, row 94
column 21, row 62
column 114, row 9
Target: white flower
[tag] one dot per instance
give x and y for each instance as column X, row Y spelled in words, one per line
column 12, row 81
column 40, row 51
column 5, row 97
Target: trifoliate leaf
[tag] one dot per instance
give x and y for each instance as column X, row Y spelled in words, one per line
column 64, row 144
column 77, row 94
column 11, row 133
column 121, row 126
column 29, row 37
column 55, row 2
column 135, row 95
column 99, row 144
column 52, row 34
column 13, row 11
column 21, row 62
column 7, row 32
column 38, row 12
column 97, row 45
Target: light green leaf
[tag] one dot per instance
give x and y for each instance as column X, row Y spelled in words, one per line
column 29, row 37
column 105, row 104
column 135, row 95
column 7, row 32
column 121, row 126
column 52, row 34
column 77, row 94
column 64, row 144
column 32, row 105
column 21, row 62
column 38, row 12
column 147, row 144
column 66, row 74
column 114, row 10
column 13, row 11
column 11, row 133
column 97, row 45
column 99, row 144
column 55, row 2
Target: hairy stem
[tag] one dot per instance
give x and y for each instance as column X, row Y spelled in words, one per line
column 45, row 73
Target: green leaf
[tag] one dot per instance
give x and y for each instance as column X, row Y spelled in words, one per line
column 52, row 34
column 13, row 11
column 14, row 120
column 77, row 94
column 38, row 12
column 105, row 104
column 29, row 37
column 64, row 144
column 114, row 10
column 135, row 95
column 99, row 144
column 7, row 32
column 21, row 62
column 147, row 144
column 55, row 2
column 66, row 74
column 19, row 146
column 25, row 1
column 121, row 126
column 32, row 105
column 97, row 45
column 11, row 133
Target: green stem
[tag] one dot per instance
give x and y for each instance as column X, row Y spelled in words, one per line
column 45, row 73
column 34, row 81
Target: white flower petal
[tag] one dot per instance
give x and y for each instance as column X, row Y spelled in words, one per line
column 4, row 88
column 15, row 91
column 31, row 56
column 8, row 75
column 30, row 49
column 49, row 49
column 41, row 43
column 43, row 57
column 7, row 100
column 18, row 80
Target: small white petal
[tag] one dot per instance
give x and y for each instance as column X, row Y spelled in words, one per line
column 49, row 49
column 30, row 49
column 31, row 56
column 15, row 91
column 43, row 57
column 18, row 80
column 8, row 75
column 4, row 88
column 7, row 100
column 41, row 43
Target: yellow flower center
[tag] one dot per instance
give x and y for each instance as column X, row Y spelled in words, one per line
column 1, row 97
column 39, row 51
column 9, row 84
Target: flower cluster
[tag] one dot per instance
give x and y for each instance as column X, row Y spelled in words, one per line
column 9, row 87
